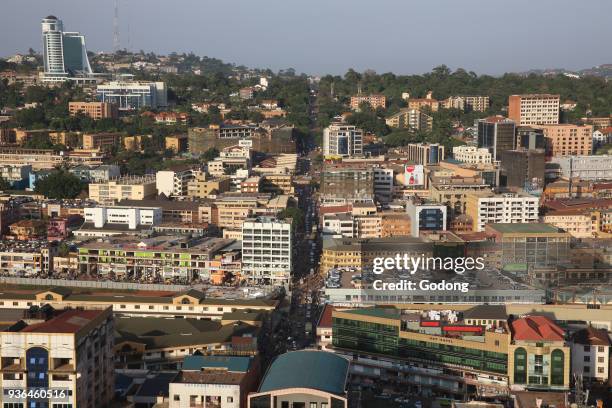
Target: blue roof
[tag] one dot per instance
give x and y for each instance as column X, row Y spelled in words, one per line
column 231, row 363
column 318, row 370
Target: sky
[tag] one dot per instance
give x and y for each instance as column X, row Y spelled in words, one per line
column 331, row 36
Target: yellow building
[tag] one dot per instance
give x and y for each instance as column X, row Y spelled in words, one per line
column 176, row 143
column 124, row 188
column 203, row 186
column 135, row 143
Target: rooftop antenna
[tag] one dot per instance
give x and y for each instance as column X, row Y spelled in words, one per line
column 116, row 44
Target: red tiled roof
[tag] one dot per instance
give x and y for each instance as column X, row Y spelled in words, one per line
column 335, row 209
column 537, row 328
column 592, row 336
column 69, row 321
column 326, row 317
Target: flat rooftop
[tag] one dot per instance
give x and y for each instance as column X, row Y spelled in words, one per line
column 530, row 228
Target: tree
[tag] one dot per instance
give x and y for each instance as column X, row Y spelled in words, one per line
column 4, row 184
column 210, row 154
column 296, row 215
column 59, row 184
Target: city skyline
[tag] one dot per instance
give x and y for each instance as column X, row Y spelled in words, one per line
column 322, row 40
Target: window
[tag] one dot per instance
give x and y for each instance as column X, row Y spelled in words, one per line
column 587, row 369
column 600, row 349
column 313, row 405
column 600, row 370
column 230, row 399
column 587, row 359
column 587, row 348
column 177, row 397
column 600, row 359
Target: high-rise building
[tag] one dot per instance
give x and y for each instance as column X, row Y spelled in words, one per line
column 426, row 216
column 425, row 154
column 267, row 253
column 496, row 133
column 128, row 95
column 342, row 140
column 534, row 109
column 64, row 53
column 524, row 168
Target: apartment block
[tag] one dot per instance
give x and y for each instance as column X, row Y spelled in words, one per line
column 124, row 188
column 568, row 139
column 534, row 109
column 375, row 101
column 486, row 207
column 95, row 110
column 267, row 250
column 467, row 103
column 410, row 118
column 585, row 167
column 204, row 185
column 591, row 354
column 68, row 352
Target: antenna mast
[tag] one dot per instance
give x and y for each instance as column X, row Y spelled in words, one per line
column 116, row 44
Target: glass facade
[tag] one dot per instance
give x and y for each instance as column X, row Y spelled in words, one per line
column 37, row 365
column 384, row 339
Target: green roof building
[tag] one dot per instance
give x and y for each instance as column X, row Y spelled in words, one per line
column 303, row 379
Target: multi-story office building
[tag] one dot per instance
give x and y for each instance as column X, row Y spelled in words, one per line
column 472, row 154
column 524, row 168
column 69, row 356
column 162, row 256
column 357, row 253
column 102, row 141
column 16, row 175
column 530, row 138
column 96, row 174
column 347, row 184
column 585, row 167
column 591, row 354
column 426, row 216
column 217, row 381
column 267, row 250
column 467, row 103
column 534, row 109
column 528, row 245
column 124, row 188
column 538, row 356
column 108, row 221
column 486, row 207
column 497, row 134
column 375, row 101
column 204, row 185
column 64, row 53
column 130, row 96
column 412, row 119
column 430, row 350
column 174, row 182
column 48, row 158
column 342, row 140
column 95, row 110
column 567, row 139
column 425, row 154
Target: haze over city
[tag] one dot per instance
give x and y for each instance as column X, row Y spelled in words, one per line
column 329, row 37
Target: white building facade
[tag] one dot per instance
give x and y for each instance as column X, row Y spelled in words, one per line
column 342, row 140
column 472, row 154
column 267, row 251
